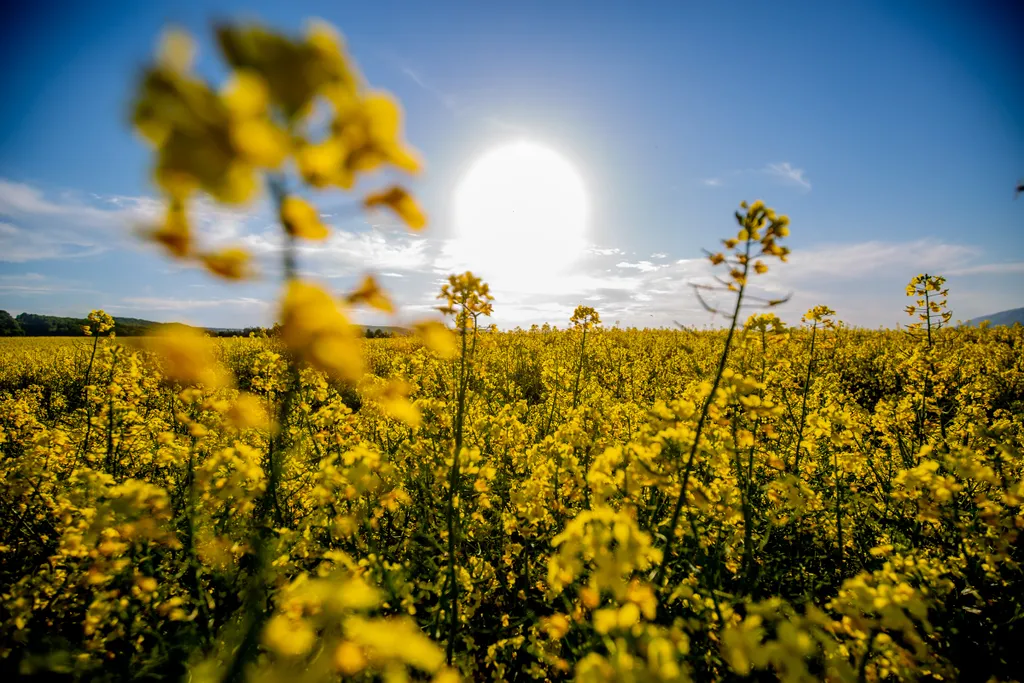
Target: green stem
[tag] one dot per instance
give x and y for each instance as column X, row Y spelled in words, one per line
column 659, row 575
column 255, row 607
column 452, row 513
column 803, row 403
column 579, row 370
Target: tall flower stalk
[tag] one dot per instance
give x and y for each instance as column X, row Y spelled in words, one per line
column 223, row 143
column 467, row 298
column 759, row 227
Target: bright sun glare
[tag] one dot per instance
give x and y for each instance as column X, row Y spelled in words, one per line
column 520, row 214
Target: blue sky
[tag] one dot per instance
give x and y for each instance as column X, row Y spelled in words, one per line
column 892, row 133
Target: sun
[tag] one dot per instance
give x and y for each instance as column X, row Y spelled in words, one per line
column 520, row 213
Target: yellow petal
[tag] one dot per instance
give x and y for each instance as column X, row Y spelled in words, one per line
column 436, row 337
column 370, row 293
column 246, row 94
column 301, row 219
column 349, row 658
column 394, row 399
column 320, row 163
column 288, row 636
column 316, row 328
column 402, row 203
column 174, row 232
column 231, row 263
column 260, row 142
column 187, row 355
column 238, row 186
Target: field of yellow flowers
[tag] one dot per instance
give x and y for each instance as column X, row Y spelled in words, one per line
column 852, row 508
column 800, row 501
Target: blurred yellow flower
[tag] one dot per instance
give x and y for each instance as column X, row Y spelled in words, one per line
column 301, row 219
column 246, row 94
column 146, row 584
column 173, row 233
column 349, row 658
column 317, row 330
column 402, row 203
column 187, row 355
column 394, row 399
column 287, row 636
column 370, row 129
column 320, row 164
column 247, row 411
column 231, row 263
column 369, row 292
column 260, row 142
column 437, row 337
column 557, row 625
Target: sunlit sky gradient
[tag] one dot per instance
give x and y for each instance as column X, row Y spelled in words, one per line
column 892, row 133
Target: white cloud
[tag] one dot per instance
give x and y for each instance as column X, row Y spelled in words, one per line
column 783, row 171
column 41, row 226
column 786, row 172
column 642, row 266
column 346, row 253
column 863, row 281
column 989, row 269
column 153, row 303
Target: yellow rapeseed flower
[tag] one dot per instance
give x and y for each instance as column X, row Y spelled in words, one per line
column 248, row 412
column 301, row 219
column 320, row 164
column 174, row 233
column 349, row 658
column 437, row 337
column 394, row 399
column 315, row 327
column 287, row 636
column 369, row 292
column 187, row 355
column 402, row 203
column 260, row 141
column 232, row 263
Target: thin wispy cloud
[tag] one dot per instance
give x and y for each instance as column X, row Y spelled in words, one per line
column 786, row 172
column 39, row 225
column 152, row 303
column 642, row 266
column 989, row 269
column 783, row 172
column 456, row 105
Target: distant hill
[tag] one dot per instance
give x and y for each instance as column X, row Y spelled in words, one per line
column 37, row 325
column 1010, row 317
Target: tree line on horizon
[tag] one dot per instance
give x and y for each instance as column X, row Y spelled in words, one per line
column 38, row 325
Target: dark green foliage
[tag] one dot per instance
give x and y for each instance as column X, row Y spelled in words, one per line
column 9, row 327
